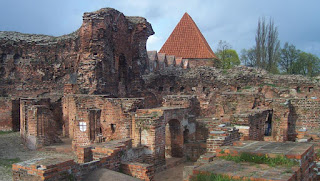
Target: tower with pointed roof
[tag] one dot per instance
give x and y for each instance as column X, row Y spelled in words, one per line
column 187, row 42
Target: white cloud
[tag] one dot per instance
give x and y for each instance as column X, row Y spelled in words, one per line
column 154, row 42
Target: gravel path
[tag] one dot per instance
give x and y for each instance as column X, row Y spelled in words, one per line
column 12, row 150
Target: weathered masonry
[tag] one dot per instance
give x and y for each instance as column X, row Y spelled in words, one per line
column 125, row 109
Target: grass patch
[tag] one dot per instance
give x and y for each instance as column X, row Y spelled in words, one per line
column 247, row 87
column 272, row 162
column 271, row 85
column 7, row 163
column 224, row 71
column 317, row 154
column 213, row 177
column 5, row 132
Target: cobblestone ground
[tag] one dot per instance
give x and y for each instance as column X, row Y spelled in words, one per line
column 12, row 150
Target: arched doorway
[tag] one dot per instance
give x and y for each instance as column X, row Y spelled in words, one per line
column 174, row 139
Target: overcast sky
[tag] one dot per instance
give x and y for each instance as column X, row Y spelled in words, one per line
column 234, row 21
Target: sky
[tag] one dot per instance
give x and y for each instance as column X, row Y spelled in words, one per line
column 233, row 21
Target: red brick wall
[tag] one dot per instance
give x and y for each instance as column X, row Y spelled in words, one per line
column 114, row 112
column 138, row 170
column 192, row 63
column 6, row 123
column 89, row 56
column 38, row 126
column 222, row 137
column 306, row 112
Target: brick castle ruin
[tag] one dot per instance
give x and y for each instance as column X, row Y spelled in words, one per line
column 129, row 110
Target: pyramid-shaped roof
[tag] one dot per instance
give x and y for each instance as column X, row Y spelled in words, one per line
column 187, row 41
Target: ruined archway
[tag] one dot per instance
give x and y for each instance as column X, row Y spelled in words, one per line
column 174, row 139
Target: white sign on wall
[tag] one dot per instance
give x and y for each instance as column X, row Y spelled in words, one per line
column 83, row 126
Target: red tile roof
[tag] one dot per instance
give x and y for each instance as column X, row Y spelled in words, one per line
column 187, row 41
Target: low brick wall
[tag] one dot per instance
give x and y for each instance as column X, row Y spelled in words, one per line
column 301, row 152
column 45, row 169
column 107, row 155
column 222, row 137
column 84, row 154
column 139, row 170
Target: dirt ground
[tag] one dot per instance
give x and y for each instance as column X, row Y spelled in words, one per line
column 172, row 174
column 12, row 150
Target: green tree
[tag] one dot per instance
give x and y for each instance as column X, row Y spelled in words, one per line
column 289, row 56
column 307, row 64
column 248, row 57
column 229, row 57
column 267, row 48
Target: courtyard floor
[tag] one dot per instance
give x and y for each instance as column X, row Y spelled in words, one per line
column 12, row 150
column 172, row 174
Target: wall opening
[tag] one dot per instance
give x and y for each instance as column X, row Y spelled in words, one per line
column 171, row 89
column 186, row 135
column 113, row 128
column 122, row 68
column 15, row 115
column 268, row 125
column 181, row 89
column 310, row 89
column 173, row 139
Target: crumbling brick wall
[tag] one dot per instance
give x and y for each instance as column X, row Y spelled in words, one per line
column 152, row 128
column 6, row 122
column 86, row 127
column 141, row 171
column 292, row 115
column 38, row 127
column 222, row 137
column 252, row 124
column 106, row 55
column 281, row 118
column 115, row 117
column 307, row 112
